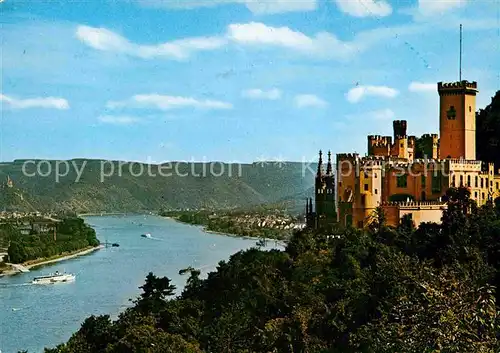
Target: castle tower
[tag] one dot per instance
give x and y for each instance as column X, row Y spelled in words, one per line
column 400, row 148
column 457, row 119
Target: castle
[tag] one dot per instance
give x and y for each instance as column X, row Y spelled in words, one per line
column 405, row 179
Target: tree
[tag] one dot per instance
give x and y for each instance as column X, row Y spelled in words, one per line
column 155, row 292
column 17, row 253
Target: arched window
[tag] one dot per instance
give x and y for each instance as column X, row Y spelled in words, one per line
column 454, row 181
column 461, row 180
column 477, row 182
column 468, row 180
column 482, row 183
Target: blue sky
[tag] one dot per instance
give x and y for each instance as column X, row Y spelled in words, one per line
column 231, row 80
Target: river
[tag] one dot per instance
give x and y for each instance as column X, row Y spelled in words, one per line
column 36, row 316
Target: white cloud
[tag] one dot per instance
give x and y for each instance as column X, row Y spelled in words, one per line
column 45, row 102
column 118, row 120
column 323, row 44
column 422, row 87
column 356, row 94
column 106, row 40
column 384, row 114
column 256, row 93
column 163, row 102
column 437, row 7
column 366, row 8
column 256, row 6
column 309, row 100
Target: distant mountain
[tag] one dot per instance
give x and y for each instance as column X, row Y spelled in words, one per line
column 211, row 185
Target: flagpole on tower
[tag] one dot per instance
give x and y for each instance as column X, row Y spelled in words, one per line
column 460, row 62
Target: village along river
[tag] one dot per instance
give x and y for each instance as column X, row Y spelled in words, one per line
column 36, row 316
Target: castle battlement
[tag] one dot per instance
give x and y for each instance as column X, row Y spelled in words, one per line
column 465, row 162
column 457, row 88
column 372, row 162
column 347, row 156
column 458, row 84
column 413, row 204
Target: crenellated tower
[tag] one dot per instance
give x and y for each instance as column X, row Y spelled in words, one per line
column 457, row 119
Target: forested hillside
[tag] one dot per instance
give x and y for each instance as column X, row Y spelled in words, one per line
column 386, row 290
column 72, row 234
column 188, row 187
column 488, row 132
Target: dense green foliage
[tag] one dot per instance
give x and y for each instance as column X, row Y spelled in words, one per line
column 127, row 190
column 228, row 223
column 72, row 234
column 488, row 132
column 400, row 290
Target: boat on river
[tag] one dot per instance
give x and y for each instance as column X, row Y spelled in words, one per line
column 147, row 235
column 56, row 277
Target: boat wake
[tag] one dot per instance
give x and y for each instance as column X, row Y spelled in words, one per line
column 10, row 285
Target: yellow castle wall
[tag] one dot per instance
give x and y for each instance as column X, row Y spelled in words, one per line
column 420, row 213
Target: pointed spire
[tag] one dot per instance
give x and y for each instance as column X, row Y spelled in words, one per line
column 310, row 205
column 329, row 165
column 320, row 163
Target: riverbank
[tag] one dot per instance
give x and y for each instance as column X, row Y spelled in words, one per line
column 281, row 242
column 57, row 258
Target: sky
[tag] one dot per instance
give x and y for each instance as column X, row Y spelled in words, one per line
column 231, row 80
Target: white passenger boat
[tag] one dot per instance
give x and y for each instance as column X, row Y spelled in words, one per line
column 54, row 278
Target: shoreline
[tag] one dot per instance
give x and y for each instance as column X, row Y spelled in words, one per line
column 41, row 262
column 204, row 229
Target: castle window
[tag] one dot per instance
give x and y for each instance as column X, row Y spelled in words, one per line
column 477, row 182
column 482, row 195
column 475, row 195
column 376, row 191
column 470, row 109
column 482, row 183
column 376, row 175
column 424, row 181
column 468, row 180
column 461, row 180
column 402, row 145
column 436, row 184
column 402, row 181
column 454, row 181
column 451, row 113
column 366, row 187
